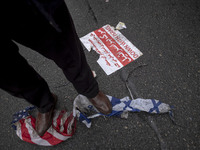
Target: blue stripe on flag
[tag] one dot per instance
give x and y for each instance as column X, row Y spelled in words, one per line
column 128, row 105
column 155, row 106
column 82, row 118
column 115, row 101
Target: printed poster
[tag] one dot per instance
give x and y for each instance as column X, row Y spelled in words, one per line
column 115, row 50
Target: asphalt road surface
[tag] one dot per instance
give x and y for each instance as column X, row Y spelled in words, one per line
column 167, row 32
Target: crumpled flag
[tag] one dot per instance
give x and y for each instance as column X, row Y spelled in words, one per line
column 64, row 123
column 85, row 111
column 63, row 127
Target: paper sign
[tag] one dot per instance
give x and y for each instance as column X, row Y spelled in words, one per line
column 115, row 50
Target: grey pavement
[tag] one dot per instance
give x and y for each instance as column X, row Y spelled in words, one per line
column 168, row 34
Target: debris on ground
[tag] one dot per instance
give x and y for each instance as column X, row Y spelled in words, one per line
column 120, row 26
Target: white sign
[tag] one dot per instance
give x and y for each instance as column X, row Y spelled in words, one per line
column 115, row 50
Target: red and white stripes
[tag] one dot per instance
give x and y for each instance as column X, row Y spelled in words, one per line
column 63, row 127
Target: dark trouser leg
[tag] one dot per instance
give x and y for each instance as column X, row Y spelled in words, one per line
column 19, row 79
column 81, row 75
column 64, row 48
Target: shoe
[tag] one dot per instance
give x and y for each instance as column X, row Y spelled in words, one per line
column 102, row 103
column 44, row 120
